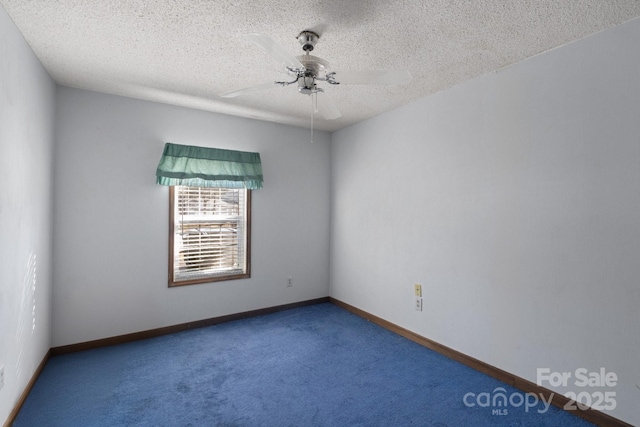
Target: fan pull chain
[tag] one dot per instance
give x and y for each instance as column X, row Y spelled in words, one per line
column 312, row 107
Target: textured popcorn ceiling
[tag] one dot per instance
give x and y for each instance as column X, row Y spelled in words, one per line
column 187, row 52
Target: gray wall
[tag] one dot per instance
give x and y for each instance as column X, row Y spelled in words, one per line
column 26, row 146
column 514, row 199
column 111, row 219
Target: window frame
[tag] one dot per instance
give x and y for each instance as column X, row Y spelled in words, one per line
column 218, row 277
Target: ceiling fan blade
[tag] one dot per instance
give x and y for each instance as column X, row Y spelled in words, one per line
column 373, row 77
column 276, row 51
column 246, row 90
column 326, row 107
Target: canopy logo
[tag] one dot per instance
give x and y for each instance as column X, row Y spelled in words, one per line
column 499, row 401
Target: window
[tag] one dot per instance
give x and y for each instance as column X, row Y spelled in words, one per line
column 209, row 234
column 210, row 211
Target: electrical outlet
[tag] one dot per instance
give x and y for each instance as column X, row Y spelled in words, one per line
column 417, row 289
column 1, row 376
column 418, row 304
column 289, row 282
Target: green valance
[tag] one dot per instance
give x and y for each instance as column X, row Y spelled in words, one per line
column 209, row 167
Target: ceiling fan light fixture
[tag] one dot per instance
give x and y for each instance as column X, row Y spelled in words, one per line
column 310, row 89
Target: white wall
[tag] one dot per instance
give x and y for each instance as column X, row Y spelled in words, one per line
column 111, row 219
column 26, row 146
column 514, row 199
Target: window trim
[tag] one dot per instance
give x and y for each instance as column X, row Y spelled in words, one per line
column 245, row 275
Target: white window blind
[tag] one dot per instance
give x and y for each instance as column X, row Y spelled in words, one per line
column 209, row 234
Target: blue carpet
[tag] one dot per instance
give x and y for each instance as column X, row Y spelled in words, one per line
column 313, row 366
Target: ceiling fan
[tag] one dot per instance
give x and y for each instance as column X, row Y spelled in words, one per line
column 307, row 70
